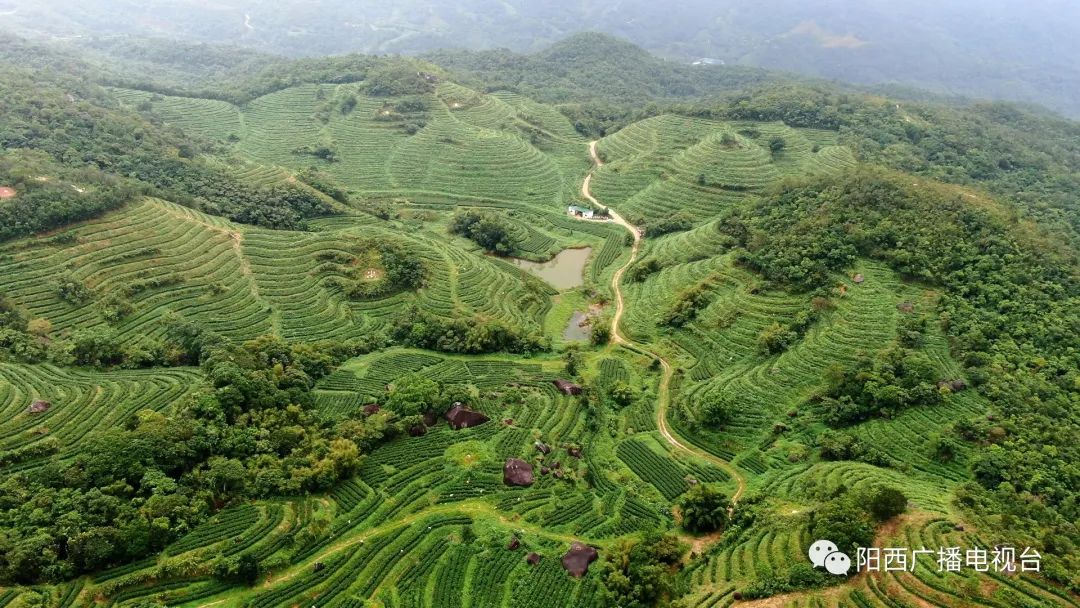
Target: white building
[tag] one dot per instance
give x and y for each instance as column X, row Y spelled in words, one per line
column 576, row 211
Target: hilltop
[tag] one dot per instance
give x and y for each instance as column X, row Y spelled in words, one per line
column 591, row 65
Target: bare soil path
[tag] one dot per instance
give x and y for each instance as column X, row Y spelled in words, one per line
column 616, row 337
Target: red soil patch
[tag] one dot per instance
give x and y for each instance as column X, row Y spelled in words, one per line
column 6, row 192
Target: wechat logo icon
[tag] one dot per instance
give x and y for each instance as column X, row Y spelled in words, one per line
column 824, row 554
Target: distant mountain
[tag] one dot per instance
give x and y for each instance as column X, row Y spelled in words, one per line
column 1008, row 49
column 595, row 66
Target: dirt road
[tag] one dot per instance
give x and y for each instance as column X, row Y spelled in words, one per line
column 667, row 371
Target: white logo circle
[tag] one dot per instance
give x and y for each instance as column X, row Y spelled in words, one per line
column 820, row 550
column 837, row 563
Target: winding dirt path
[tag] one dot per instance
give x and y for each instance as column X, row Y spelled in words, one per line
column 664, row 400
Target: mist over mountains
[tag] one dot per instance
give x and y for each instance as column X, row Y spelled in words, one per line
column 1003, row 49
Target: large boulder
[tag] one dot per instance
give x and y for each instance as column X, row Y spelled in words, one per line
column 39, row 407
column 566, row 387
column 577, row 559
column 533, row 558
column 461, row 417
column 431, row 418
column 955, row 386
column 517, row 472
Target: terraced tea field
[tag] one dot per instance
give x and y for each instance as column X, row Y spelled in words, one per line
column 430, row 520
column 81, row 402
column 499, row 150
column 243, row 282
column 398, row 532
column 777, row 548
column 670, row 163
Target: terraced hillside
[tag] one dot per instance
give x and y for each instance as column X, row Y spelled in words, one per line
column 79, row 404
column 241, row 282
column 782, row 546
column 671, row 163
column 454, row 145
column 428, row 518
column 427, row 515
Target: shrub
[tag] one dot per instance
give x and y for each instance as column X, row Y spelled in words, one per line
column 96, row 347
column 688, row 304
column 11, row 316
column 474, row 334
column 676, row 222
column 243, row 569
column 894, row 379
column 600, row 334
column 838, row 445
column 39, row 327
column 413, row 394
column 775, row 338
column 843, row 523
column 886, row 503
column 622, row 393
column 640, row 271
column 639, row 573
column 704, row 508
column 72, row 290
column 115, row 307
column 398, row 79
column 715, row 409
column 487, row 229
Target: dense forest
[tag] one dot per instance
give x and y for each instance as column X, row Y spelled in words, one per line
column 1009, row 305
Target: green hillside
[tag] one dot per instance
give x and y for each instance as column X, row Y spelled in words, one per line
column 227, row 366
column 448, row 145
column 668, row 164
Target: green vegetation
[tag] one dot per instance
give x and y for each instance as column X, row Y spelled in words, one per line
column 372, row 269
column 198, row 408
column 704, row 509
column 486, row 229
column 106, row 155
column 638, row 574
column 893, row 380
column 163, row 470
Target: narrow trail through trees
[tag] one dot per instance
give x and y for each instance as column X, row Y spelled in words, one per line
column 664, row 390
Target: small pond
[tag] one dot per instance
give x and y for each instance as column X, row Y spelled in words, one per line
column 564, row 271
column 576, row 330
